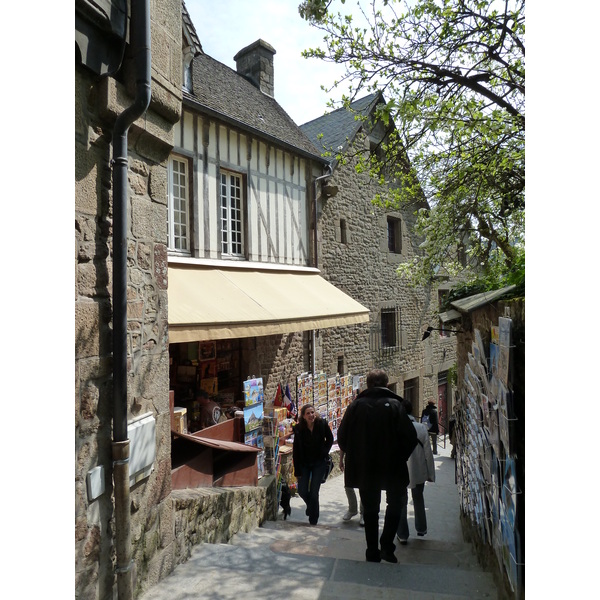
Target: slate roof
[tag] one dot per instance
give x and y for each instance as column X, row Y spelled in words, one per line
column 223, row 93
column 470, row 303
column 339, row 126
column 191, row 30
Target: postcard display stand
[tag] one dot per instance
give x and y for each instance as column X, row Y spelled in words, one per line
column 486, row 467
column 253, row 418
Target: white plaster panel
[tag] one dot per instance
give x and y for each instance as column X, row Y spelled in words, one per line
column 188, row 132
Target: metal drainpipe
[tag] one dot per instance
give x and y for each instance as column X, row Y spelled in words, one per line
column 139, row 35
column 316, row 265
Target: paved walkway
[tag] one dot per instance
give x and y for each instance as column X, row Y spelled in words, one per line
column 290, row 560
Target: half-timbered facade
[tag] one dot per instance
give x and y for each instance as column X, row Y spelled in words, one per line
column 243, row 185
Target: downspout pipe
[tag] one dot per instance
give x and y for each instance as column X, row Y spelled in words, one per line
column 316, row 259
column 139, row 36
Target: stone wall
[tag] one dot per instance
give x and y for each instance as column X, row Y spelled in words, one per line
column 363, row 267
column 277, row 359
column 97, row 103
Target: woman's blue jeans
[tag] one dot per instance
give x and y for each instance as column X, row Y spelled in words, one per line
column 309, row 485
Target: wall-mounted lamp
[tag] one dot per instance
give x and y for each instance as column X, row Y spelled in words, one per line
column 330, row 190
column 428, row 331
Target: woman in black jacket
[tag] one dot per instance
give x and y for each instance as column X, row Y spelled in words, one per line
column 312, row 441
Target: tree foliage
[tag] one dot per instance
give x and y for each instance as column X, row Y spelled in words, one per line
column 452, row 73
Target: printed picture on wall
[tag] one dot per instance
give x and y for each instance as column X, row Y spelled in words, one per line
column 210, row 385
column 208, row 368
column 207, row 350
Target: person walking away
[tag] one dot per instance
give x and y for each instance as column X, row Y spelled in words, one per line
column 429, row 417
column 312, row 441
column 377, row 437
column 452, row 435
column 421, row 468
column 352, row 502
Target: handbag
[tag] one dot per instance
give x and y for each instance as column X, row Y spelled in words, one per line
column 327, row 473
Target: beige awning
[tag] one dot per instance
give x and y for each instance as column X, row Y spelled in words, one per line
column 207, row 303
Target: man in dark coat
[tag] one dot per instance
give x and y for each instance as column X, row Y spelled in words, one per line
column 377, row 437
column 429, row 416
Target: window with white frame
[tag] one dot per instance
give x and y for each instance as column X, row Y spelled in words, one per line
column 231, row 214
column 178, row 215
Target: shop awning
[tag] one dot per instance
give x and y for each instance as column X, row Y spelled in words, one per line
column 207, row 303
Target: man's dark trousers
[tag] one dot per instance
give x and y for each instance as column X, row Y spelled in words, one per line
column 371, row 499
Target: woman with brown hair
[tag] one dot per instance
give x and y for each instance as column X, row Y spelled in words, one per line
column 312, row 441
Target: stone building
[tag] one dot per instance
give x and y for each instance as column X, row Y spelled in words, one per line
column 197, row 201
column 360, row 246
column 111, row 40
column 142, row 128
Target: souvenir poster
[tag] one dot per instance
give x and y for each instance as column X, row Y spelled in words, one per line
column 503, row 359
column 304, row 385
column 358, row 385
column 496, row 483
column 480, row 347
column 495, row 336
column 346, row 392
column 494, row 436
column 333, row 403
column 509, row 493
column 253, row 418
column 251, row 438
column 485, row 409
column 503, row 419
column 208, row 351
column 260, row 463
column 509, row 550
column 253, row 391
column 210, row 385
column 208, row 368
column 494, row 356
column 504, row 326
column 475, row 351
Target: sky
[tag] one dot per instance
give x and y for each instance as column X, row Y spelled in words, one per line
column 238, row 23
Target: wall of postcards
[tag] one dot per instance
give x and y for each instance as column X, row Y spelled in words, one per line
column 486, row 455
column 330, row 395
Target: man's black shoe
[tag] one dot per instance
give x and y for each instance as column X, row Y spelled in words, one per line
column 388, row 557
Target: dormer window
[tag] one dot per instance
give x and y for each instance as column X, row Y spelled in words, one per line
column 187, row 69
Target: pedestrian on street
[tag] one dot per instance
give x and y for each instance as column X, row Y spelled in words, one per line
column 312, row 441
column 377, row 438
column 429, row 417
column 421, row 468
column 351, row 496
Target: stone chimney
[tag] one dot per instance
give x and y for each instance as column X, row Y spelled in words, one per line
column 255, row 63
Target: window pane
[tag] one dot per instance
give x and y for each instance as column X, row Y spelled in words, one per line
column 231, row 214
column 178, row 213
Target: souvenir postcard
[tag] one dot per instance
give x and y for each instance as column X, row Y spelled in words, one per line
column 253, row 417
column 504, row 326
column 253, row 391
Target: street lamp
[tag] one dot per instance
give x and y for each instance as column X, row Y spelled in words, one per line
column 428, row 331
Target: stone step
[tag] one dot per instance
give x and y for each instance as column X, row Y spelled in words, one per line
column 254, row 569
